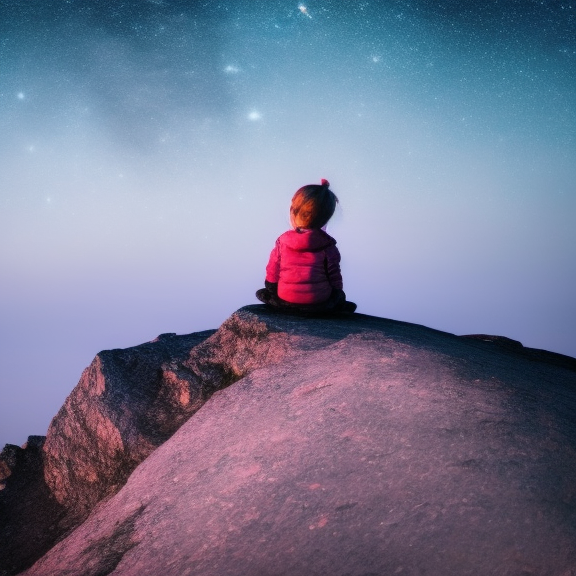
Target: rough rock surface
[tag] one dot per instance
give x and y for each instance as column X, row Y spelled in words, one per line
column 353, row 446
column 126, row 404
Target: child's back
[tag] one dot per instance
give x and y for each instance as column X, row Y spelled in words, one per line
column 304, row 266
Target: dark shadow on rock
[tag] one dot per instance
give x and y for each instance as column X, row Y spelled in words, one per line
column 29, row 514
column 104, row 554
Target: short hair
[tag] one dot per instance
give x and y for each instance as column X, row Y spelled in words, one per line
column 313, row 205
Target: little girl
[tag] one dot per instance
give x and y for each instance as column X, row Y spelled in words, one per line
column 303, row 272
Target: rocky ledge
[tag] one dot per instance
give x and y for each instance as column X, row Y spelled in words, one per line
column 345, row 446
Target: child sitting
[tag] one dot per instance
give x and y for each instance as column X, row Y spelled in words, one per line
column 303, row 273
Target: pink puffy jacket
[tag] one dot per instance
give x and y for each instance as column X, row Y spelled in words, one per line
column 306, row 265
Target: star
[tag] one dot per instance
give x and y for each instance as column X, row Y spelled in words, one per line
column 254, row 115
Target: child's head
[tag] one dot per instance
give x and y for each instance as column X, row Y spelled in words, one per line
column 313, row 205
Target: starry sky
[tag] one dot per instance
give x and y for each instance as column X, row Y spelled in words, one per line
column 149, row 150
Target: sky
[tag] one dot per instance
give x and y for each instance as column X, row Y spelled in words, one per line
column 149, row 150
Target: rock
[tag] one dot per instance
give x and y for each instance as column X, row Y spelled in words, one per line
column 29, row 513
column 8, row 459
column 126, row 404
column 499, row 340
column 346, row 446
column 12, row 456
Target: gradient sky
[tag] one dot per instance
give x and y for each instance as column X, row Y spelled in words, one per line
column 149, row 151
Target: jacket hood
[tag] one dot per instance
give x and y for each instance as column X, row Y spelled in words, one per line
column 307, row 240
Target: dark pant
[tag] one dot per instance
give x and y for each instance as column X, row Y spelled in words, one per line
column 335, row 303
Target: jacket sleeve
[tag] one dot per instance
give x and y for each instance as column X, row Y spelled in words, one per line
column 273, row 268
column 333, row 267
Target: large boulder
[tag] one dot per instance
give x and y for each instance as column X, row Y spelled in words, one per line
column 126, row 404
column 348, row 446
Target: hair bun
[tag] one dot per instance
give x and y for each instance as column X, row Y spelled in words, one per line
column 325, row 183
